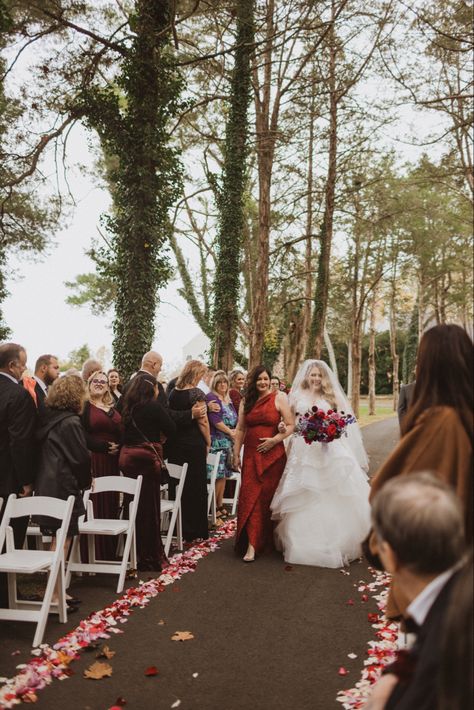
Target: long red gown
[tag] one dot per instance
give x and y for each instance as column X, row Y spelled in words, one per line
column 261, row 474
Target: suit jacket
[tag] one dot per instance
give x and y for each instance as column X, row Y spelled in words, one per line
column 17, row 437
column 421, row 691
column 404, row 400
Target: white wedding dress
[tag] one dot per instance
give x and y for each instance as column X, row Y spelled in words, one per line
column 322, row 501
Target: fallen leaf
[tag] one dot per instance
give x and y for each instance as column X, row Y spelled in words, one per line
column 176, row 704
column 182, row 636
column 105, row 652
column 98, row 670
column 161, row 622
column 343, row 671
column 352, row 655
column 29, row 698
column 151, row 670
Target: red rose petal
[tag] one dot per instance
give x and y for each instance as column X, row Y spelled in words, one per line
column 364, row 598
column 343, row 671
column 151, row 670
column 288, row 568
column 350, row 602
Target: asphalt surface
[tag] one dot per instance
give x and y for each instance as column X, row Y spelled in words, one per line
column 267, row 636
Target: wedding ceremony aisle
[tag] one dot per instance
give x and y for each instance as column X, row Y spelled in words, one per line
column 263, row 635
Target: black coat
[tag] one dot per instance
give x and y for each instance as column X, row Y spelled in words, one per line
column 64, row 462
column 404, row 400
column 17, row 437
column 181, row 418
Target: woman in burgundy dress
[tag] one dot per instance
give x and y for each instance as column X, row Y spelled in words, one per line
column 146, row 423
column 104, row 433
column 263, row 462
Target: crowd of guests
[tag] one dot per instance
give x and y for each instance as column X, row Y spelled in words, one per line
column 59, row 433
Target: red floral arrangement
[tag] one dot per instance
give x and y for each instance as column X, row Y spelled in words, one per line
column 318, row 425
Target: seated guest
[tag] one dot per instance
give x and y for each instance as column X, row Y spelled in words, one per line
column 103, row 426
column 146, row 422
column 222, row 425
column 115, row 384
column 64, row 462
column 236, row 387
column 190, row 445
column 418, row 525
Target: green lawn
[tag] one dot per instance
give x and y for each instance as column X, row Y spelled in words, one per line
column 383, row 410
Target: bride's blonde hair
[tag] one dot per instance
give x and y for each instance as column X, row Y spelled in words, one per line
column 326, row 389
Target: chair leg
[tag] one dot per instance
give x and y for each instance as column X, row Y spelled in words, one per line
column 12, row 590
column 125, row 560
column 133, row 551
column 169, row 534
column 62, row 594
column 179, row 532
column 45, row 607
column 91, row 550
column 73, row 557
column 236, row 496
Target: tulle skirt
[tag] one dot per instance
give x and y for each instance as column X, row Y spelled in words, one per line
column 321, row 505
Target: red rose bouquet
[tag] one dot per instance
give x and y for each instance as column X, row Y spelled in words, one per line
column 318, row 425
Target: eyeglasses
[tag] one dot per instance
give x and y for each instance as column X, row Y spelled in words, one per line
column 99, row 382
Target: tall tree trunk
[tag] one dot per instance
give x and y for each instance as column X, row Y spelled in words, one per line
column 316, row 336
column 331, row 353
column 356, row 359
column 231, row 197
column 349, row 368
column 393, row 346
column 309, row 224
column 372, row 368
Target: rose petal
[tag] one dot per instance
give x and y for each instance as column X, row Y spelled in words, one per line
column 151, row 670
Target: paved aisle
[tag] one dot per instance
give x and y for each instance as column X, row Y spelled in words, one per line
column 265, row 636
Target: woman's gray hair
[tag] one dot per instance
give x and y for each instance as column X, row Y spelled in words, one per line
column 421, row 519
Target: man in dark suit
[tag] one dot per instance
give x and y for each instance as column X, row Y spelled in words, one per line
column 17, row 438
column 404, row 400
column 418, row 523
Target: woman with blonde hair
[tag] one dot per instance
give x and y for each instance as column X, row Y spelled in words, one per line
column 103, row 427
column 222, row 423
column 190, row 445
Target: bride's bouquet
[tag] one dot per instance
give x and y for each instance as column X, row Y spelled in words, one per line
column 318, row 425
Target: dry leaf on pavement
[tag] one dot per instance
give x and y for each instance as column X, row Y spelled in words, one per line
column 98, row 670
column 105, row 652
column 182, row 636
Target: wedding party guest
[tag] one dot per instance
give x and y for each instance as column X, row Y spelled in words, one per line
column 115, row 384
column 404, row 400
column 275, row 383
column 17, row 440
column 90, row 366
column 418, row 525
column 236, row 387
column 456, row 678
column 64, row 461
column 189, row 445
column 437, row 430
column 222, row 425
column 103, row 426
column 204, row 383
column 146, row 422
column 263, row 462
column 46, row 372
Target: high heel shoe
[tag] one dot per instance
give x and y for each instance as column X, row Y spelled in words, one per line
column 246, row 558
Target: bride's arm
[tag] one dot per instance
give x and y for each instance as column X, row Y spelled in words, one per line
column 239, row 436
column 283, row 406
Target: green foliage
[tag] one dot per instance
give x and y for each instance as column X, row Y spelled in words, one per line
column 76, row 358
column 411, row 348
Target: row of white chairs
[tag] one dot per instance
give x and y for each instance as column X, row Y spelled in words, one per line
column 15, row 561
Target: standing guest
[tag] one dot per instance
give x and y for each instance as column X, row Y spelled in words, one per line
column 437, row 430
column 222, row 425
column 204, row 383
column 170, row 386
column 418, row 525
column 145, row 423
column 404, row 400
column 236, row 387
column 264, row 460
column 89, row 367
column 17, row 440
column 102, row 423
column 46, row 372
column 64, row 461
column 189, row 445
column 115, row 384
column 275, row 383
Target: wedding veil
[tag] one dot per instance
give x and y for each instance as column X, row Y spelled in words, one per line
column 354, row 437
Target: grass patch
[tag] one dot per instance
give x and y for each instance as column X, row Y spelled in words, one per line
column 383, row 410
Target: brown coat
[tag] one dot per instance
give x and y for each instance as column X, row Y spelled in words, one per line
column 439, row 443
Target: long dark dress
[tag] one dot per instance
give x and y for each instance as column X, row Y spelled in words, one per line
column 261, row 474
column 188, row 446
column 137, row 458
column 104, row 427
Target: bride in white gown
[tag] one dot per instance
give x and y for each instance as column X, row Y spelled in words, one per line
column 321, row 504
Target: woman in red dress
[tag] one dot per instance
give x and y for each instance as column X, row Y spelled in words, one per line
column 104, row 433
column 263, row 462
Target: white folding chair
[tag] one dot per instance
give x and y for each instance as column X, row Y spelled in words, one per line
column 173, row 507
column 103, row 526
column 235, row 498
column 212, row 460
column 18, row 561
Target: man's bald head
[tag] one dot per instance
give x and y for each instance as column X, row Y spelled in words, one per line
column 152, row 362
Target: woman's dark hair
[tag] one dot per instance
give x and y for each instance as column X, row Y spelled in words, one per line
column 444, row 375
column 251, row 393
column 140, row 391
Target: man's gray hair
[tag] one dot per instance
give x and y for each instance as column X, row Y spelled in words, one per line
column 421, row 519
